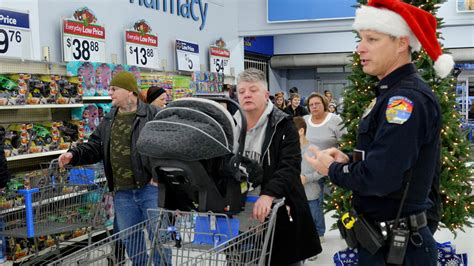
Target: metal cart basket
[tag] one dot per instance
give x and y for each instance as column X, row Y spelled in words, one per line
column 62, row 200
column 183, row 238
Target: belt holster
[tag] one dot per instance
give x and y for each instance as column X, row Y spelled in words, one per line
column 368, row 236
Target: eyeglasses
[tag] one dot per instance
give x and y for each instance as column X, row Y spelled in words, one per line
column 314, row 104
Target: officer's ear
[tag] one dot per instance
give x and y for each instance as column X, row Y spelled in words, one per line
column 403, row 44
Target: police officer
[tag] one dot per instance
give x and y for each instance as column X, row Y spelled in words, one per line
column 399, row 135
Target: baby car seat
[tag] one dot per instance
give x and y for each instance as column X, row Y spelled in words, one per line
column 191, row 145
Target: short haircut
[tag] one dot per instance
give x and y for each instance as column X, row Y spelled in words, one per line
column 324, row 100
column 294, row 95
column 300, row 123
column 253, row 75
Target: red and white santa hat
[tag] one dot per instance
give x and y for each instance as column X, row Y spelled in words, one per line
column 397, row 18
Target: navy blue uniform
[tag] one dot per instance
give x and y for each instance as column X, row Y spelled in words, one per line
column 393, row 148
column 398, row 137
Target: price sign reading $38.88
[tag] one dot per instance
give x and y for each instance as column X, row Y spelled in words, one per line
column 83, row 43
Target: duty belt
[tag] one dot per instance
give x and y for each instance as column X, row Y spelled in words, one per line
column 413, row 222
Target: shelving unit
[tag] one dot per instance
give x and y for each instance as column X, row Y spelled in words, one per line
column 40, row 106
column 34, row 155
column 96, row 98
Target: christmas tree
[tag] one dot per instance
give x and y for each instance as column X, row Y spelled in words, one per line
column 455, row 179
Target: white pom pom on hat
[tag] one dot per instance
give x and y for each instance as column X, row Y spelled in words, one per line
column 401, row 19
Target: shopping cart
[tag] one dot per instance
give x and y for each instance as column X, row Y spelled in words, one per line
column 59, row 201
column 183, row 238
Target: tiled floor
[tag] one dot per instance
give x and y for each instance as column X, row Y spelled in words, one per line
column 464, row 243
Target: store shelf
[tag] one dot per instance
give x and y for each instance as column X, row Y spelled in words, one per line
column 40, row 106
column 96, row 98
column 35, row 155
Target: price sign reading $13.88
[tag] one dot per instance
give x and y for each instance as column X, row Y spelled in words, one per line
column 15, row 35
column 141, row 49
column 83, row 43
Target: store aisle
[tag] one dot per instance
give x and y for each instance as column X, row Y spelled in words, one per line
column 334, row 243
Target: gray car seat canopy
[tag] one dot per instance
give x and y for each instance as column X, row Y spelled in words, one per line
column 189, row 129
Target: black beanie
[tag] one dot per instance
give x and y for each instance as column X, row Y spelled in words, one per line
column 153, row 93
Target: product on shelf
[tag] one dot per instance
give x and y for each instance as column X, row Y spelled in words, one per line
column 103, row 76
column 90, row 115
column 25, row 138
column 13, row 90
column 40, row 138
column 206, row 82
column 70, row 90
column 17, row 139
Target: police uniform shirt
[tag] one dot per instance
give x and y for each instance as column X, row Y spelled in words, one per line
column 398, row 137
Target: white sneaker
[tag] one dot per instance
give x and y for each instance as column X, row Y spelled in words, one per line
column 321, row 239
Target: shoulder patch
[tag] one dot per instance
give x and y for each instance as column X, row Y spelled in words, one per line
column 399, row 109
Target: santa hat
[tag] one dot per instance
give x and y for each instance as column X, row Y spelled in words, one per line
column 399, row 19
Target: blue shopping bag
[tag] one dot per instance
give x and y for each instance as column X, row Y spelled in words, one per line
column 447, row 255
column 81, row 176
column 346, row 257
column 216, row 233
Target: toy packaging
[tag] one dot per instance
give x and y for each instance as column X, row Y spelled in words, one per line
column 13, row 89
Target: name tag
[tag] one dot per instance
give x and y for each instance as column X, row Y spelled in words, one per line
column 358, row 155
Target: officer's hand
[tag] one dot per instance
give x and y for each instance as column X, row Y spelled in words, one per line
column 320, row 160
column 64, row 159
column 262, row 207
column 338, row 155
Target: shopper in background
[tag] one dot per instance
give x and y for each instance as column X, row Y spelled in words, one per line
column 332, row 108
column 398, row 144
column 309, row 176
column 324, row 130
column 128, row 173
column 4, row 174
column 272, row 140
column 229, row 92
column 328, row 95
column 156, row 96
column 280, row 100
column 295, row 109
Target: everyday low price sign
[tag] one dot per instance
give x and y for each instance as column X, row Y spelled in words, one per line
column 219, row 60
column 187, row 56
column 15, row 34
column 83, row 40
column 141, row 50
column 141, row 46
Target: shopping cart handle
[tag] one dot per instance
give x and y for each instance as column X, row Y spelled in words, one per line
column 277, row 202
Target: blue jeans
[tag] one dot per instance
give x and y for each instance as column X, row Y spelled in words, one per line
column 318, row 215
column 426, row 254
column 130, row 209
column 320, row 211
